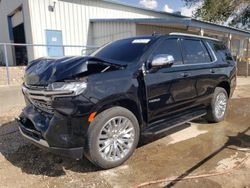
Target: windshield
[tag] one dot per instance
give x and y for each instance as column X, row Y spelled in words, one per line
column 126, row 50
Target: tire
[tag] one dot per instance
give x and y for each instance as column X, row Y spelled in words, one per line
column 100, row 136
column 219, row 102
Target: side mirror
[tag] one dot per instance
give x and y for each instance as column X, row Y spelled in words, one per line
column 162, row 60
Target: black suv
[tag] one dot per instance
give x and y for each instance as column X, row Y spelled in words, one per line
column 100, row 105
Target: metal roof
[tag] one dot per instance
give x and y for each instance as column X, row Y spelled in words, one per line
column 184, row 21
column 144, row 20
column 223, row 28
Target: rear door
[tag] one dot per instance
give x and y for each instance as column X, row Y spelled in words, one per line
column 201, row 64
column 172, row 89
column 224, row 67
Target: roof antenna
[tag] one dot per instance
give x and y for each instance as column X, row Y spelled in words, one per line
column 155, row 33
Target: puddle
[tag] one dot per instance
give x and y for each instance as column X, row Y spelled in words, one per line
column 186, row 134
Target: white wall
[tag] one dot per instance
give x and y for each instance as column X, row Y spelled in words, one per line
column 72, row 17
column 7, row 7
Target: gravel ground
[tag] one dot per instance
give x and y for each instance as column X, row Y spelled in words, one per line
column 201, row 148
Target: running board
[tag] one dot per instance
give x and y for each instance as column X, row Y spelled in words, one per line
column 173, row 123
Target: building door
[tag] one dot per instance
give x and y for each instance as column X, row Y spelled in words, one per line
column 17, row 35
column 54, row 38
column 20, row 51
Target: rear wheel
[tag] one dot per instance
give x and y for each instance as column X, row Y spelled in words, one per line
column 112, row 137
column 218, row 106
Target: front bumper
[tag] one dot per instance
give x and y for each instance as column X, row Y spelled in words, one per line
column 62, row 132
column 29, row 134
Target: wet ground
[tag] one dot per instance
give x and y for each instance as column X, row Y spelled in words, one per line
column 220, row 152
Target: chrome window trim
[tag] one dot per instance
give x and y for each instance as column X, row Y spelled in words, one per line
column 191, row 35
column 210, row 48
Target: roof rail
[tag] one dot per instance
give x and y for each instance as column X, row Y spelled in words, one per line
column 191, row 35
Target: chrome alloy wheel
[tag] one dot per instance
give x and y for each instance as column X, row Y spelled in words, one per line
column 220, row 105
column 116, row 138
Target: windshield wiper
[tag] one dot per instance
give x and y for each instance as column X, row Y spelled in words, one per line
column 108, row 61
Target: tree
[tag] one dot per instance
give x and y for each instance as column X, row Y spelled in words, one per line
column 228, row 12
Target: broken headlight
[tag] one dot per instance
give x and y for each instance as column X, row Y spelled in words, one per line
column 75, row 88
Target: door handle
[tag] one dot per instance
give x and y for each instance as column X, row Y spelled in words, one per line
column 212, row 70
column 185, row 74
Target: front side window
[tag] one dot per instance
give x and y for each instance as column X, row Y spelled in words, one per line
column 194, row 52
column 170, row 47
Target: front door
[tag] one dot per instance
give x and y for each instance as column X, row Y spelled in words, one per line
column 54, row 37
column 172, row 89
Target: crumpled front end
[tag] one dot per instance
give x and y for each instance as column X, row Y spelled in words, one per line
column 57, row 111
column 57, row 123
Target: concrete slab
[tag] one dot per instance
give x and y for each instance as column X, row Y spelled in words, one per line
column 11, row 98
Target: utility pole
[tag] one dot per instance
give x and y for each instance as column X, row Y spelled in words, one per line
column 247, row 55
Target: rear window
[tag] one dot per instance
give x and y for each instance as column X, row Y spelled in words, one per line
column 126, row 50
column 194, row 52
column 221, row 51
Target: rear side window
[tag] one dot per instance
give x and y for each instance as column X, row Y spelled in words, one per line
column 170, row 47
column 221, row 51
column 194, row 51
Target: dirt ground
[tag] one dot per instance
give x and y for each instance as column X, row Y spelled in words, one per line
column 220, row 152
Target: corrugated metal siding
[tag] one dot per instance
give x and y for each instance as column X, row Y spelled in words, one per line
column 105, row 32
column 72, row 18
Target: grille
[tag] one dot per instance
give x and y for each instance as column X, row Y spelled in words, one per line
column 42, row 98
column 38, row 97
column 43, row 105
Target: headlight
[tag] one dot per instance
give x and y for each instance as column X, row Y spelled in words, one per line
column 75, row 88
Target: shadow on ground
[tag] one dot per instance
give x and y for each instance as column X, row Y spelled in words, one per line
column 33, row 160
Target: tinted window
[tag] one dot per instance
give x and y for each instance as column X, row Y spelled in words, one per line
column 126, row 50
column 221, row 51
column 170, row 47
column 194, row 52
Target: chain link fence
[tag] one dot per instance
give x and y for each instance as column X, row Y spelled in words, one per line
column 14, row 58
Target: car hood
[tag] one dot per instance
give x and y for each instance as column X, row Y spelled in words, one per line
column 44, row 71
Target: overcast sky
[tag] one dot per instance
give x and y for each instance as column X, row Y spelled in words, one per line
column 164, row 5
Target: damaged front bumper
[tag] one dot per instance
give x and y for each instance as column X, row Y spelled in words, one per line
column 75, row 153
column 61, row 131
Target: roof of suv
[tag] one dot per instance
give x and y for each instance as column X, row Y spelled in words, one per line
column 157, row 35
column 195, row 36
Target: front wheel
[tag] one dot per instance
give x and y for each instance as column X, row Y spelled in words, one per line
column 112, row 137
column 218, row 106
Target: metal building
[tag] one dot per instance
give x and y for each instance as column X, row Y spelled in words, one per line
column 94, row 23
